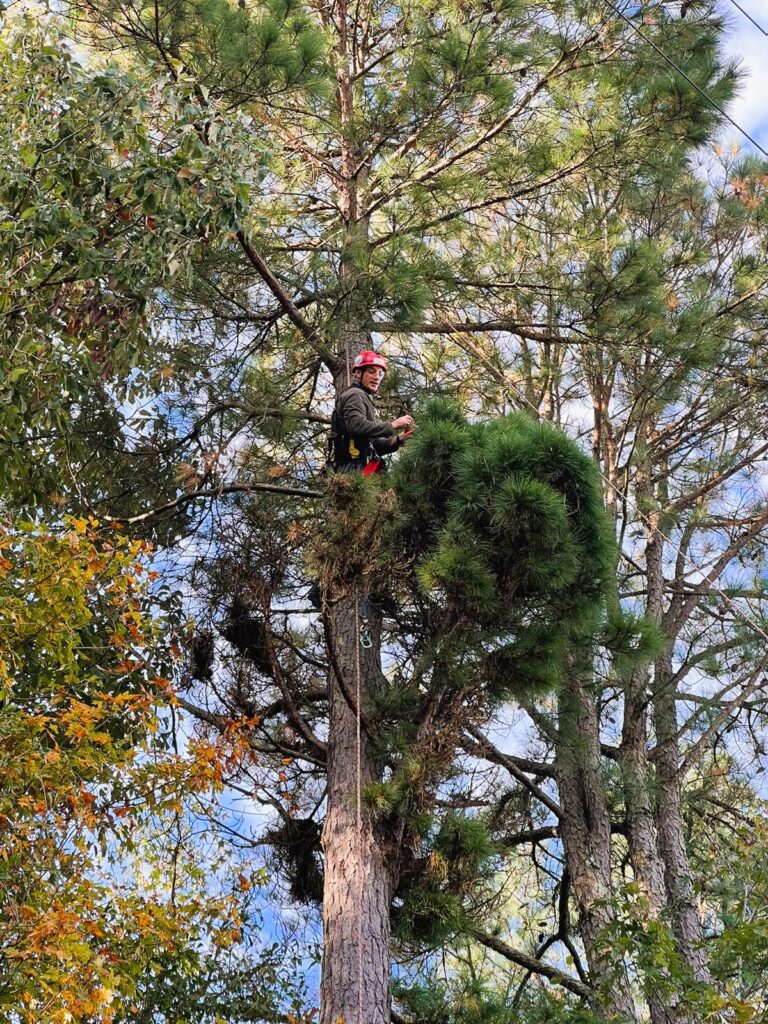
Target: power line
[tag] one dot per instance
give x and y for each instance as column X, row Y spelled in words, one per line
column 749, row 17
column 687, row 77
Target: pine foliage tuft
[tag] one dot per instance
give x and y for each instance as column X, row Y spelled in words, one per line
column 505, row 525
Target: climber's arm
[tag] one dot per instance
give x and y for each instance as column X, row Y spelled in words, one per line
column 357, row 419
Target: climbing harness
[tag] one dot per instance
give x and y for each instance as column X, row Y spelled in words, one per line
column 343, row 454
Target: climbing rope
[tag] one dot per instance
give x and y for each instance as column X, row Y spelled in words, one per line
column 361, row 631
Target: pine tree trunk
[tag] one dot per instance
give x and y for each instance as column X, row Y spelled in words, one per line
column 686, row 920
column 359, row 882
column 586, row 833
column 647, row 866
column 641, row 825
column 642, row 838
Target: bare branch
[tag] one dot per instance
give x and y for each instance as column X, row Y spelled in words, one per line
column 215, row 492
column 485, row 749
column 532, row 964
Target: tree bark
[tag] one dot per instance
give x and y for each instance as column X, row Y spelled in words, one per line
column 586, row 833
column 686, row 920
column 647, row 866
column 359, row 879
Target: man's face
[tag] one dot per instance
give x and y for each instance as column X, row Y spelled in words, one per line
column 371, row 378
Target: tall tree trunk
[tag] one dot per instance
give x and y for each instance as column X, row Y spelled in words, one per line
column 644, row 856
column 586, row 833
column 647, row 865
column 686, row 920
column 359, row 878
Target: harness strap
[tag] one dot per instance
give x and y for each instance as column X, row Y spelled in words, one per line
column 339, row 443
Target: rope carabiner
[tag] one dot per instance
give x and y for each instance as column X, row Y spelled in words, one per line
column 365, row 637
column 363, row 610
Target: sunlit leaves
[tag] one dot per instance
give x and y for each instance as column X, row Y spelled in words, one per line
column 111, row 186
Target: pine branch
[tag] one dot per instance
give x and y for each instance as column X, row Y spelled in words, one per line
column 726, row 712
column 429, row 173
column 478, row 327
column 294, row 715
column 251, row 413
column 224, row 722
column 215, row 492
column 686, row 500
column 516, row 956
column 485, row 749
column 674, row 621
column 535, row 835
column 277, row 290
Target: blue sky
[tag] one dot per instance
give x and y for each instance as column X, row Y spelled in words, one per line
column 750, row 45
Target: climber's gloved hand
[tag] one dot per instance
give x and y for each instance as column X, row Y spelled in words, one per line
column 403, row 422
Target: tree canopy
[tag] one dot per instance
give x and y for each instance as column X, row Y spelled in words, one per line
column 533, row 789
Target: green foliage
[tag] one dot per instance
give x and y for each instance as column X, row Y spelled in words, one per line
column 492, row 551
column 662, row 970
column 506, row 525
column 463, row 844
column 470, row 998
column 439, row 901
column 107, row 194
column 427, row 916
column 631, row 639
column 357, row 543
column 239, row 53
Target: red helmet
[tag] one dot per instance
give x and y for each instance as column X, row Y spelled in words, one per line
column 366, row 359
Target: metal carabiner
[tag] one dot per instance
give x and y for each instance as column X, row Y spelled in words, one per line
column 365, row 636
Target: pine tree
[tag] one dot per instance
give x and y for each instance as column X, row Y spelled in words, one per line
column 428, row 174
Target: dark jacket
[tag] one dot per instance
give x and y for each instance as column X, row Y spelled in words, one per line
column 357, row 436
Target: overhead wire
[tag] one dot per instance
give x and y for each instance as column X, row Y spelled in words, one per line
column 646, row 39
column 749, row 17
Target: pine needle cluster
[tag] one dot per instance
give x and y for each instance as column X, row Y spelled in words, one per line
column 505, row 525
column 436, row 902
column 358, row 543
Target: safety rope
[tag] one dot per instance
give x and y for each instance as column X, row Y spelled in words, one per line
column 360, row 631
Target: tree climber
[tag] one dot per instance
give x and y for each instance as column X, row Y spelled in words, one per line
column 359, row 440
